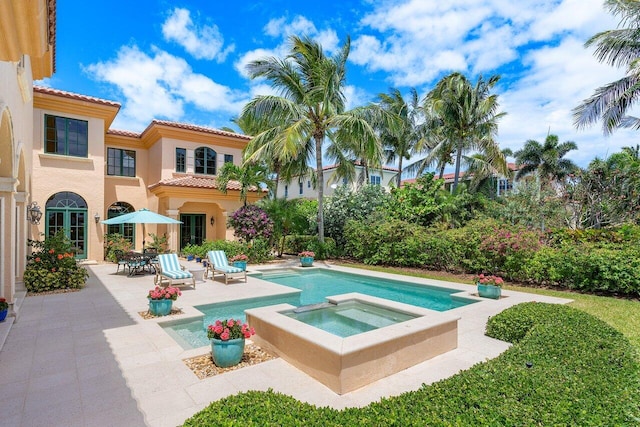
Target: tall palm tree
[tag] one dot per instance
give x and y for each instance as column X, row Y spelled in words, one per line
column 545, row 159
column 399, row 122
column 309, row 109
column 619, row 47
column 481, row 171
column 250, row 176
column 465, row 117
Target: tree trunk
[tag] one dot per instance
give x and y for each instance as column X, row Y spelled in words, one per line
column 457, row 172
column 275, row 187
column 400, row 173
column 320, row 176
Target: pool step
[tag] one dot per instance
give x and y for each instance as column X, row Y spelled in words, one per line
column 376, row 321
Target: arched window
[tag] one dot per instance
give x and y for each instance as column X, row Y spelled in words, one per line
column 205, row 161
column 126, row 230
column 68, row 211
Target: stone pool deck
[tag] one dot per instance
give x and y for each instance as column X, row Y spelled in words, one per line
column 89, row 359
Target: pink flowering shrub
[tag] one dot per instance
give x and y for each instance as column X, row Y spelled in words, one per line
column 307, row 254
column 508, row 250
column 169, row 292
column 229, row 329
column 488, row 280
column 250, row 222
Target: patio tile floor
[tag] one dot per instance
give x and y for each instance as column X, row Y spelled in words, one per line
column 89, row 359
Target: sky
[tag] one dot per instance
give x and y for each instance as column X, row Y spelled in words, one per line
column 185, row 60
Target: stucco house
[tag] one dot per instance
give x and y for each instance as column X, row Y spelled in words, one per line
column 60, row 156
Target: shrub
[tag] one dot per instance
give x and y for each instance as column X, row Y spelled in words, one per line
column 114, row 242
column 52, row 265
column 250, row 222
column 296, row 243
column 159, row 243
column 258, row 250
column 565, row 368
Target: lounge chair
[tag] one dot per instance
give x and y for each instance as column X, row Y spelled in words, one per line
column 169, row 270
column 218, row 263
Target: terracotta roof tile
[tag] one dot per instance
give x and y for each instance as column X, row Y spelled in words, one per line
column 190, row 181
column 123, row 133
column 196, row 128
column 71, row 95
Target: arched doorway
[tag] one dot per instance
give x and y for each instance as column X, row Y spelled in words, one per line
column 68, row 211
column 128, row 231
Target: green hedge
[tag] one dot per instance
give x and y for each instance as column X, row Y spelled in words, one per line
column 258, row 250
column 296, row 243
column 565, row 368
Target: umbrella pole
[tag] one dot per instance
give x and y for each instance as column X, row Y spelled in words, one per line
column 144, row 235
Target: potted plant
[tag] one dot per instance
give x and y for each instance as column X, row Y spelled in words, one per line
column 227, row 341
column 489, row 286
column 306, row 258
column 161, row 300
column 240, row 261
column 4, row 309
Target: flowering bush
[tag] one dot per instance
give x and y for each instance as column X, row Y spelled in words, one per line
column 115, row 242
column 229, row 330
column 250, row 222
column 488, row 280
column 169, row 292
column 239, row 257
column 52, row 265
column 3, row 304
column 307, row 254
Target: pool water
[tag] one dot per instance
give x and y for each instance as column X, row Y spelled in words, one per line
column 348, row 318
column 316, row 285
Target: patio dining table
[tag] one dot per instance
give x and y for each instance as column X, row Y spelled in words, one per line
column 140, row 263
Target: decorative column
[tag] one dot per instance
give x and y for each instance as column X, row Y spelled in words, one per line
column 21, row 236
column 173, row 230
column 8, row 238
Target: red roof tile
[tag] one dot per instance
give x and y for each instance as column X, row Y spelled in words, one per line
column 196, row 128
column 77, row 96
column 123, row 133
column 190, row 181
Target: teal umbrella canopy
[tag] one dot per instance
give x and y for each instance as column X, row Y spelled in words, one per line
column 143, row 216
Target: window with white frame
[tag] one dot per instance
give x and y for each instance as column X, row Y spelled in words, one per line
column 375, row 180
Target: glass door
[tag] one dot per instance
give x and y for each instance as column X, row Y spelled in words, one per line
column 192, row 229
column 73, row 222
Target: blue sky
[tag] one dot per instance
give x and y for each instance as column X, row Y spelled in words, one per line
column 184, row 60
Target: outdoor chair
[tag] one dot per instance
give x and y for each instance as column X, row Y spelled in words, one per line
column 121, row 259
column 218, row 263
column 136, row 263
column 170, row 271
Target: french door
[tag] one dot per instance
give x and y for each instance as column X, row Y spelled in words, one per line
column 192, row 229
column 74, row 224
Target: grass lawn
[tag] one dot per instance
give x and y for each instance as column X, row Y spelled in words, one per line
column 622, row 314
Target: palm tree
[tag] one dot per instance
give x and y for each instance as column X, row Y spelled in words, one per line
column 399, row 122
column 482, row 171
column 251, row 176
column 463, row 117
column 545, row 159
column 619, row 47
column 309, row 109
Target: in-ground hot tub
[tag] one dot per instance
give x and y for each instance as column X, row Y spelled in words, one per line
column 346, row 364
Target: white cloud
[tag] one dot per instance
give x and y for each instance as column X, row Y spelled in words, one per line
column 161, row 85
column 203, row 42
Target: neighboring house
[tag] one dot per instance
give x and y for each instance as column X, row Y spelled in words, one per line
column 502, row 185
column 57, row 151
column 303, row 187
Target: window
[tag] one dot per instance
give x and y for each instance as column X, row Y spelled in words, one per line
column 308, row 184
column 301, row 187
column 228, row 158
column 286, row 190
column 68, row 137
column 205, row 161
column 504, row 186
column 121, row 162
column 181, row 160
column 375, row 179
column 344, row 181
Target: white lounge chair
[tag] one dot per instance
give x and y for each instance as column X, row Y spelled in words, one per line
column 218, row 263
column 169, row 270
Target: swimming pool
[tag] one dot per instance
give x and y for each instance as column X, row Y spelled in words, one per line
column 312, row 287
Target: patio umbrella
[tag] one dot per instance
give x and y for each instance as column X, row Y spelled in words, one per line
column 143, row 216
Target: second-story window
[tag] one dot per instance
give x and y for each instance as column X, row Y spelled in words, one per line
column 228, row 158
column 121, row 162
column 68, row 137
column 301, row 187
column 286, row 191
column 375, row 179
column 205, row 159
column 181, row 160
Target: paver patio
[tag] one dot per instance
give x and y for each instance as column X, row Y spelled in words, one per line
column 89, row 359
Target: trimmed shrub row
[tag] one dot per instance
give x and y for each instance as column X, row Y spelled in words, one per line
column 565, row 368
column 582, row 261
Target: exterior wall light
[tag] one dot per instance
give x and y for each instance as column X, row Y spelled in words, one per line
column 34, row 214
